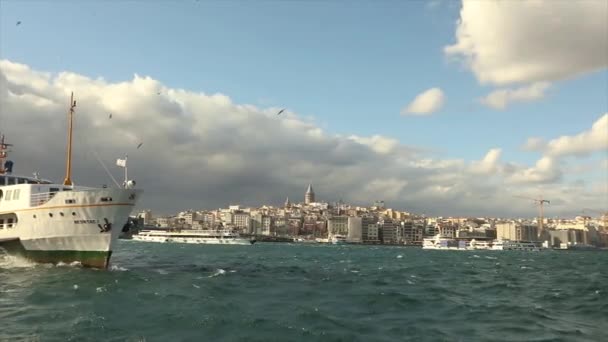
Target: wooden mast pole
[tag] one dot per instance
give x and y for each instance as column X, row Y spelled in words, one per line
column 68, row 165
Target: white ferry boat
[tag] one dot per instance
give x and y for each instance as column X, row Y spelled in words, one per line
column 443, row 243
column 60, row 222
column 507, row 245
column 439, row 242
column 192, row 236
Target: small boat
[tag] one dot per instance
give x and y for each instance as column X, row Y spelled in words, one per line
column 193, row 236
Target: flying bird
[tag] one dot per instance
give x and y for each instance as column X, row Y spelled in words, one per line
column 18, row 23
column 158, row 93
column 110, row 116
column 138, row 146
column 281, row 111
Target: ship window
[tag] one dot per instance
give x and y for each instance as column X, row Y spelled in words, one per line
column 1, row 193
column 60, row 214
column 53, row 190
column 1, row 224
column 9, row 223
column 8, row 195
column 73, row 213
column 70, row 201
column 106, row 199
column 16, row 194
column 34, row 215
column 51, row 214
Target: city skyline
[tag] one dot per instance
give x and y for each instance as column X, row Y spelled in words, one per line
column 372, row 112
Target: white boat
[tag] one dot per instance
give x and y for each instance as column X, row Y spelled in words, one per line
column 439, row 242
column 507, row 245
column 60, row 222
column 211, row 237
column 337, row 239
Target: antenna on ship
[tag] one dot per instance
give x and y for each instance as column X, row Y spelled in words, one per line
column 68, row 166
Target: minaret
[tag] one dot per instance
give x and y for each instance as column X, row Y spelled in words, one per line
column 287, row 203
column 310, row 195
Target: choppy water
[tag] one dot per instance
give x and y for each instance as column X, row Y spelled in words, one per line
column 285, row 292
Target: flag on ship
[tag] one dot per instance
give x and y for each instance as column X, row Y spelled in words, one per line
column 121, row 162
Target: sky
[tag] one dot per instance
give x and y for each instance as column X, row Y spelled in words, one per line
column 436, row 107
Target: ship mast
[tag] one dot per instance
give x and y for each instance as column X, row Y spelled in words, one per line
column 68, row 165
column 3, row 154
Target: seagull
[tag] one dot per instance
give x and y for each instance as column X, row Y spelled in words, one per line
column 18, row 23
column 281, row 111
column 138, row 146
column 158, row 93
column 110, row 115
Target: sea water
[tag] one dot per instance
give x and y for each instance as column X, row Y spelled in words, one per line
column 291, row 292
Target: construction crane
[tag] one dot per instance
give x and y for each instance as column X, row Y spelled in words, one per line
column 541, row 205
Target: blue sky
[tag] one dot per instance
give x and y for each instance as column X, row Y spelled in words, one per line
column 351, row 68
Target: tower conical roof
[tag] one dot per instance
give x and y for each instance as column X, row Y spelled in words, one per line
column 309, row 190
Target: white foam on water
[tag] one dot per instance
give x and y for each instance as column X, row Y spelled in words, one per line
column 196, row 286
column 161, row 271
column 218, row 272
column 476, row 256
column 75, row 287
column 12, row 261
column 399, row 256
column 489, row 257
column 118, row 268
column 101, row 289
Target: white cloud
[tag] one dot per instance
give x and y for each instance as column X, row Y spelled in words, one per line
column 377, row 143
column 501, row 98
column 534, row 144
column 205, row 151
column 593, row 140
column 425, row 103
column 546, row 170
column 489, row 163
column 505, row 42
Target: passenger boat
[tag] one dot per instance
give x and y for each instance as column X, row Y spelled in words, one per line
column 213, row 237
column 51, row 222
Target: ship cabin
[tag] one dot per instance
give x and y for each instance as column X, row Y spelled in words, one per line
column 18, row 192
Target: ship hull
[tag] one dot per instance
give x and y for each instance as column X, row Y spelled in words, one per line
column 83, row 233
column 94, row 259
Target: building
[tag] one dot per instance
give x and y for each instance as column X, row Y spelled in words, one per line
column 309, row 197
column 516, row 231
column 390, row 232
column 241, row 221
column 369, row 229
column 146, row 215
column 337, row 225
column 355, row 229
column 412, row 232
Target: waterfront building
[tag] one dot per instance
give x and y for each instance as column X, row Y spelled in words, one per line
column 337, row 225
column 516, row 231
column 390, row 232
column 355, row 229
column 241, row 221
column 412, row 232
column 369, row 229
column 309, row 197
column 146, row 215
